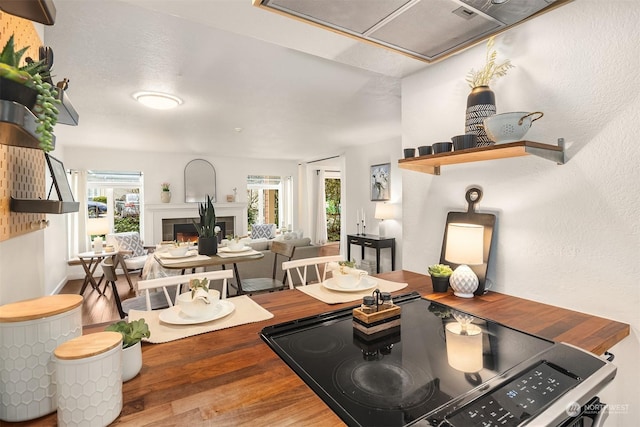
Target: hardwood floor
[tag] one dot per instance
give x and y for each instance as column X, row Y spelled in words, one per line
column 102, row 308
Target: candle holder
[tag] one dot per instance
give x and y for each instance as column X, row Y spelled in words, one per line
column 358, row 228
column 363, row 229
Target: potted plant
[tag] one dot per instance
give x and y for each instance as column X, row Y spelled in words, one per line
column 28, row 86
column 440, row 274
column 165, row 194
column 132, row 333
column 207, row 230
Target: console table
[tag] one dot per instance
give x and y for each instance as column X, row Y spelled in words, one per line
column 373, row 241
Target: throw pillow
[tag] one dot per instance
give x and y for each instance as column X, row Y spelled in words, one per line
column 263, row 231
column 129, row 242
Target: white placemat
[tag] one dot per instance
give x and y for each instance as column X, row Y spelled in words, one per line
column 336, row 297
column 246, row 311
column 223, row 254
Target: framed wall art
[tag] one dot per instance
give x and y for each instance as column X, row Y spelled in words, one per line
column 380, row 182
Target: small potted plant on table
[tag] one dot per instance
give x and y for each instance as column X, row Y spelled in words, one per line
column 440, row 274
column 207, row 230
column 132, row 333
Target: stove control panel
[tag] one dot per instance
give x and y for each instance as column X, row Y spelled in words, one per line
column 523, row 397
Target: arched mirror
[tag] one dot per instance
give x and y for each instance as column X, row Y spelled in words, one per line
column 199, row 181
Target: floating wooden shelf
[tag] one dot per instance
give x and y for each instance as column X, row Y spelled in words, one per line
column 431, row 163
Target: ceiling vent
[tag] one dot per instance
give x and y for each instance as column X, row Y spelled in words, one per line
column 428, row 30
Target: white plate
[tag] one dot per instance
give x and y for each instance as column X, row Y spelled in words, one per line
column 174, row 316
column 365, row 284
column 233, row 251
column 167, row 255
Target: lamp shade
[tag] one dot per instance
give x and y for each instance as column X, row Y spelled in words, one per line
column 383, row 211
column 464, row 244
column 464, row 347
column 97, row 226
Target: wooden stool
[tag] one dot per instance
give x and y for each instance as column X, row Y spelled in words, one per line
column 29, row 332
column 89, row 379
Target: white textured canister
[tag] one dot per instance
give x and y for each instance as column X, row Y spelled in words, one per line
column 89, row 379
column 30, row 331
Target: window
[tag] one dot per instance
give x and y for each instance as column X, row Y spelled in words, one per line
column 116, row 196
column 269, row 200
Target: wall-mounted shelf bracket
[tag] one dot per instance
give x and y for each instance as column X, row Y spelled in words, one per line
column 555, row 156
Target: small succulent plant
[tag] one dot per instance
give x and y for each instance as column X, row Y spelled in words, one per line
column 34, row 75
column 132, row 332
column 440, row 270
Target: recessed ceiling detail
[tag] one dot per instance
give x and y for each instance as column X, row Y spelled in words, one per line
column 428, row 30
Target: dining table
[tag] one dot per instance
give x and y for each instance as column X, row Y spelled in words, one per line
column 193, row 260
column 229, row 376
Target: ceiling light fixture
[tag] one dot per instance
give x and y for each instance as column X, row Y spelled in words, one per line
column 157, row 100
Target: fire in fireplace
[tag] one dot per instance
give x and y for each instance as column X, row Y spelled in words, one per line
column 188, row 232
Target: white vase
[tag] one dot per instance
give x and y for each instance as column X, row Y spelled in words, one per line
column 165, row 196
column 131, row 361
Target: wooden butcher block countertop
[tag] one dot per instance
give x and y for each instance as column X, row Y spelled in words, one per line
column 230, row 377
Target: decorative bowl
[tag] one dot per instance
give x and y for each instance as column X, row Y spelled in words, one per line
column 464, row 142
column 441, row 147
column 235, row 246
column 197, row 307
column 350, row 279
column 179, row 250
column 509, row 127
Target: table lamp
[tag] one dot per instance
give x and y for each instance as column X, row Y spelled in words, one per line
column 464, row 246
column 383, row 211
column 97, row 227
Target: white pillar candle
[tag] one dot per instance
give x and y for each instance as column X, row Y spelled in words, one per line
column 97, row 244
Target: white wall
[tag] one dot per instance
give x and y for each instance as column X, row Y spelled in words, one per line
column 567, row 235
column 358, row 163
column 35, row 264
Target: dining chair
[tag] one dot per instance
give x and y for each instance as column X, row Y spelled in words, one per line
column 301, row 266
column 270, row 284
column 167, row 290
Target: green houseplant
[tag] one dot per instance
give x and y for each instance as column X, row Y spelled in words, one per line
column 132, row 333
column 207, row 230
column 32, row 76
column 440, row 274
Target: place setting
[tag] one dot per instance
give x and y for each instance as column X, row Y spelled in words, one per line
column 198, row 311
column 347, row 285
column 235, row 249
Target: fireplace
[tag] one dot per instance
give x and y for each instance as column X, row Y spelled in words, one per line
column 159, row 219
column 189, row 233
column 183, row 230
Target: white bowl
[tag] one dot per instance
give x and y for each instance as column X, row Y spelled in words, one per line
column 197, row 307
column 235, row 246
column 179, row 250
column 509, row 127
column 350, row 279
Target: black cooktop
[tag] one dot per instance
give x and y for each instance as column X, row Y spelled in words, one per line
column 405, row 372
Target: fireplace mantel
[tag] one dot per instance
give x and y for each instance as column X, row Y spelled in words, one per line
column 155, row 213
